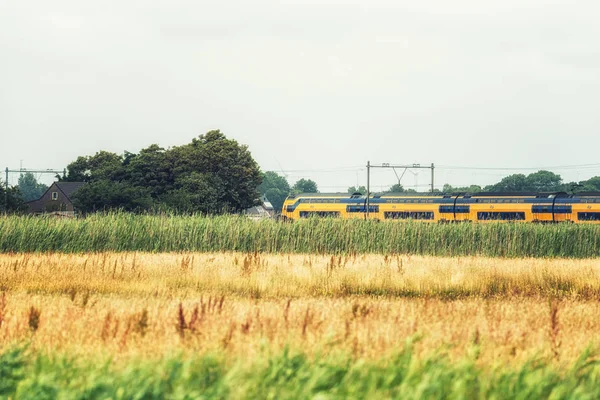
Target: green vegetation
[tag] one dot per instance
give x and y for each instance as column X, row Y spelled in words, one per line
column 287, row 375
column 30, row 188
column 540, row 181
column 10, row 199
column 128, row 232
column 305, row 186
column 275, row 187
column 212, row 174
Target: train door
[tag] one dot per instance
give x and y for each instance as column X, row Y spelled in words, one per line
column 541, row 212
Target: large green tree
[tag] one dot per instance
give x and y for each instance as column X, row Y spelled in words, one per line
column 591, row 185
column 544, row 181
column 224, row 167
column 212, row 174
column 103, row 165
column 511, row 183
column 30, row 188
column 104, row 195
column 10, row 200
column 540, row 181
column 305, row 186
column 275, row 187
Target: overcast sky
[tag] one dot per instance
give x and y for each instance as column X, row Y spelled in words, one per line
column 315, row 88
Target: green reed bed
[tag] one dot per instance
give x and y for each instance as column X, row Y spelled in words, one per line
column 128, row 232
column 290, row 375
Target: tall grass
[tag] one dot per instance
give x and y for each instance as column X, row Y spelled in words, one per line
column 293, row 376
column 127, row 232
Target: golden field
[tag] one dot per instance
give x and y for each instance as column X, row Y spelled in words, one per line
column 147, row 305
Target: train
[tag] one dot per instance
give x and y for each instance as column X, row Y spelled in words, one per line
column 484, row 207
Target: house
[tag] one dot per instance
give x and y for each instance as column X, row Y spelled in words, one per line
column 56, row 200
column 264, row 210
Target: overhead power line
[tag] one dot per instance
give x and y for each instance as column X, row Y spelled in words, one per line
column 518, row 168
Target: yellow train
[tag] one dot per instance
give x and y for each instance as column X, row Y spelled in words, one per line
column 477, row 207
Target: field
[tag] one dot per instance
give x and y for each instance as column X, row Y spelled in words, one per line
column 128, row 321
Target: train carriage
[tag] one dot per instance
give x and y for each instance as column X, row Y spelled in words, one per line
column 438, row 207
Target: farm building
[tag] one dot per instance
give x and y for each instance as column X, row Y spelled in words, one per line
column 264, row 210
column 56, row 200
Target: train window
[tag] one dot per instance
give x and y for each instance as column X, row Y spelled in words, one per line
column 322, row 214
column 290, row 208
column 588, row 216
column 408, row 215
column 563, row 209
column 457, row 209
column 541, row 209
column 361, row 209
column 500, row 216
column 548, row 209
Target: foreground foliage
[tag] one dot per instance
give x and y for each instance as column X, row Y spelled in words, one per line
column 292, row 376
column 126, row 232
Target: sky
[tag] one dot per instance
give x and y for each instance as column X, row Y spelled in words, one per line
column 482, row 89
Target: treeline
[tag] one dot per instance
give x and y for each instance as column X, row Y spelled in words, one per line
column 212, row 174
column 540, row 181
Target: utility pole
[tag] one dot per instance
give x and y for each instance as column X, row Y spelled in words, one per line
column 6, row 192
column 432, row 168
column 368, row 185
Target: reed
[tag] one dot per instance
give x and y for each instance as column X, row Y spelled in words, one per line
column 155, row 233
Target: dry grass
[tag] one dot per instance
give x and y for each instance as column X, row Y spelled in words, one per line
column 149, row 305
column 258, row 275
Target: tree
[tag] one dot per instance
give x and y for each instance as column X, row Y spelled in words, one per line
column 544, row 181
column 511, row 183
column 10, row 200
column 396, row 188
column 103, row 165
column 30, row 188
column 152, row 168
column 104, row 195
column 464, row 189
column 212, row 174
column 305, row 186
column 275, row 187
column 226, row 166
column 591, row 185
column 360, row 189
